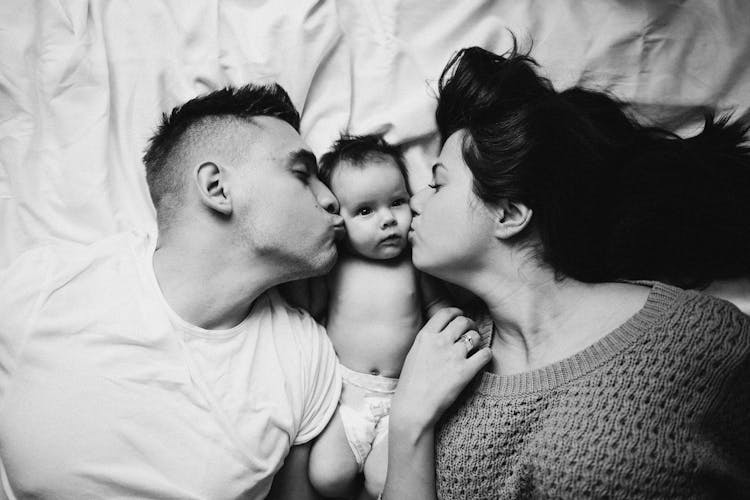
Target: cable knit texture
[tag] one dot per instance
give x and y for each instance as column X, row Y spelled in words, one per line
column 659, row 408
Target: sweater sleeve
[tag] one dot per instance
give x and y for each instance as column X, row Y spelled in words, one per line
column 728, row 422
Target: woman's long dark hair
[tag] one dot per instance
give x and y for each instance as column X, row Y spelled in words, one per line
column 612, row 199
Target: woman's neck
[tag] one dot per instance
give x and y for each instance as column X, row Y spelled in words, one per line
column 540, row 320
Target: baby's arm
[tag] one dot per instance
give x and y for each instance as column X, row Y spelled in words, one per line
column 434, row 296
column 437, row 294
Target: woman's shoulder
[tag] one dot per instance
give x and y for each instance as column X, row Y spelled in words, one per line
column 702, row 322
column 702, row 307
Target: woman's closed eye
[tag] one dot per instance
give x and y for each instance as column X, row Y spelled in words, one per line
column 434, row 186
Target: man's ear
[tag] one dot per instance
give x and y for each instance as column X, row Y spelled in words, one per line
column 511, row 218
column 213, row 187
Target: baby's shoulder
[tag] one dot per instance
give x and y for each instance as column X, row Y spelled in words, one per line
column 375, row 269
column 353, row 274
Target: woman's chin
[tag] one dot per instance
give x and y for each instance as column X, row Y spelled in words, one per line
column 418, row 259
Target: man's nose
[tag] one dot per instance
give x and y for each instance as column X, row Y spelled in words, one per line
column 325, row 197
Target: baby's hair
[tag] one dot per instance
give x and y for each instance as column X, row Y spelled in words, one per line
column 358, row 150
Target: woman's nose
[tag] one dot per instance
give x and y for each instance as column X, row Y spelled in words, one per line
column 417, row 200
column 325, row 197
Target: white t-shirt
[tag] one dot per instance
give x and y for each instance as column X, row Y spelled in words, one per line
column 106, row 393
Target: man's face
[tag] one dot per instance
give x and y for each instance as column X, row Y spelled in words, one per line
column 279, row 204
column 375, row 207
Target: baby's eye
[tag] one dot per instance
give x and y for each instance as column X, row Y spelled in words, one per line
column 398, row 203
column 364, row 211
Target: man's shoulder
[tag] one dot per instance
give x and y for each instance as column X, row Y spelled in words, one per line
column 293, row 331
column 272, row 310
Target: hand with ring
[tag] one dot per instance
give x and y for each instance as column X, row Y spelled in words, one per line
column 443, row 359
column 471, row 340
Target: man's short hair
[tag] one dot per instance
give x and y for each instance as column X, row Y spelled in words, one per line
column 358, row 150
column 164, row 171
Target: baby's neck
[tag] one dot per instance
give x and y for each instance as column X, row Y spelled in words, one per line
column 393, row 261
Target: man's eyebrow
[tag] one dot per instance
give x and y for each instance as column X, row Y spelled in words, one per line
column 305, row 157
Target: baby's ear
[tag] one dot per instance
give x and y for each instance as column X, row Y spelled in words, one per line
column 511, row 218
column 213, row 187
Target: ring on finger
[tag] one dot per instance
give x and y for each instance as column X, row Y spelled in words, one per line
column 468, row 341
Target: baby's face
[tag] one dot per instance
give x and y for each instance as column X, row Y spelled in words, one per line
column 375, row 207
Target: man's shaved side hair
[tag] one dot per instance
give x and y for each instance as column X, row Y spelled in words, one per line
column 201, row 119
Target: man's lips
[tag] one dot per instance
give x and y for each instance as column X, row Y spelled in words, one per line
column 339, row 230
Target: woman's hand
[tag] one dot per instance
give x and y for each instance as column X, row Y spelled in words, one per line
column 437, row 368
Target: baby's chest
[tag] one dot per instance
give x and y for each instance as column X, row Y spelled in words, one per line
column 380, row 293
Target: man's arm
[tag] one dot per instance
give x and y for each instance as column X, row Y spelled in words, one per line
column 292, row 481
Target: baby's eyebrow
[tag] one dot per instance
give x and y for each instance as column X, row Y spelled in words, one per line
column 306, row 158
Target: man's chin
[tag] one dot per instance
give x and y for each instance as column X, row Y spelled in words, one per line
column 325, row 262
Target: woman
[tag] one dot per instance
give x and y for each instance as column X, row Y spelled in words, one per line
column 591, row 387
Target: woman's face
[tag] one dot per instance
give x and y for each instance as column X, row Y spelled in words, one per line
column 452, row 229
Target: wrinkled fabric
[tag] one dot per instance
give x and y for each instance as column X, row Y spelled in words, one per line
column 83, row 83
column 106, row 392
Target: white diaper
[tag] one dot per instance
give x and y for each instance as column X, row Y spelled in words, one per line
column 365, row 406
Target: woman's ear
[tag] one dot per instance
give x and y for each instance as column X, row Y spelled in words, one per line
column 511, row 218
column 213, row 187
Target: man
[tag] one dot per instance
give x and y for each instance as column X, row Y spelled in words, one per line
column 134, row 368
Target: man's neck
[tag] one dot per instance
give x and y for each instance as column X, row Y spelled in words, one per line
column 207, row 288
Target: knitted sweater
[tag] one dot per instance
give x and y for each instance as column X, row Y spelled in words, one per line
column 659, row 408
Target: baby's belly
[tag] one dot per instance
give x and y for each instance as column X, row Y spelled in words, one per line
column 368, row 347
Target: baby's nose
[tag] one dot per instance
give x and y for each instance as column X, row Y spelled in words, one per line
column 387, row 219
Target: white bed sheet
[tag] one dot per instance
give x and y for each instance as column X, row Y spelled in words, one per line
column 82, row 83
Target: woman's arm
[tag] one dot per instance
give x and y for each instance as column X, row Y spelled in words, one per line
column 436, row 370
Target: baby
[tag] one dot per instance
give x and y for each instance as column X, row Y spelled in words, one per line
column 375, row 309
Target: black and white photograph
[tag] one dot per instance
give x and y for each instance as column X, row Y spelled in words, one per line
column 374, row 249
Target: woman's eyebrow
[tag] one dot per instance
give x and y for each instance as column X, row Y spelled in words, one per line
column 436, row 166
column 306, row 158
